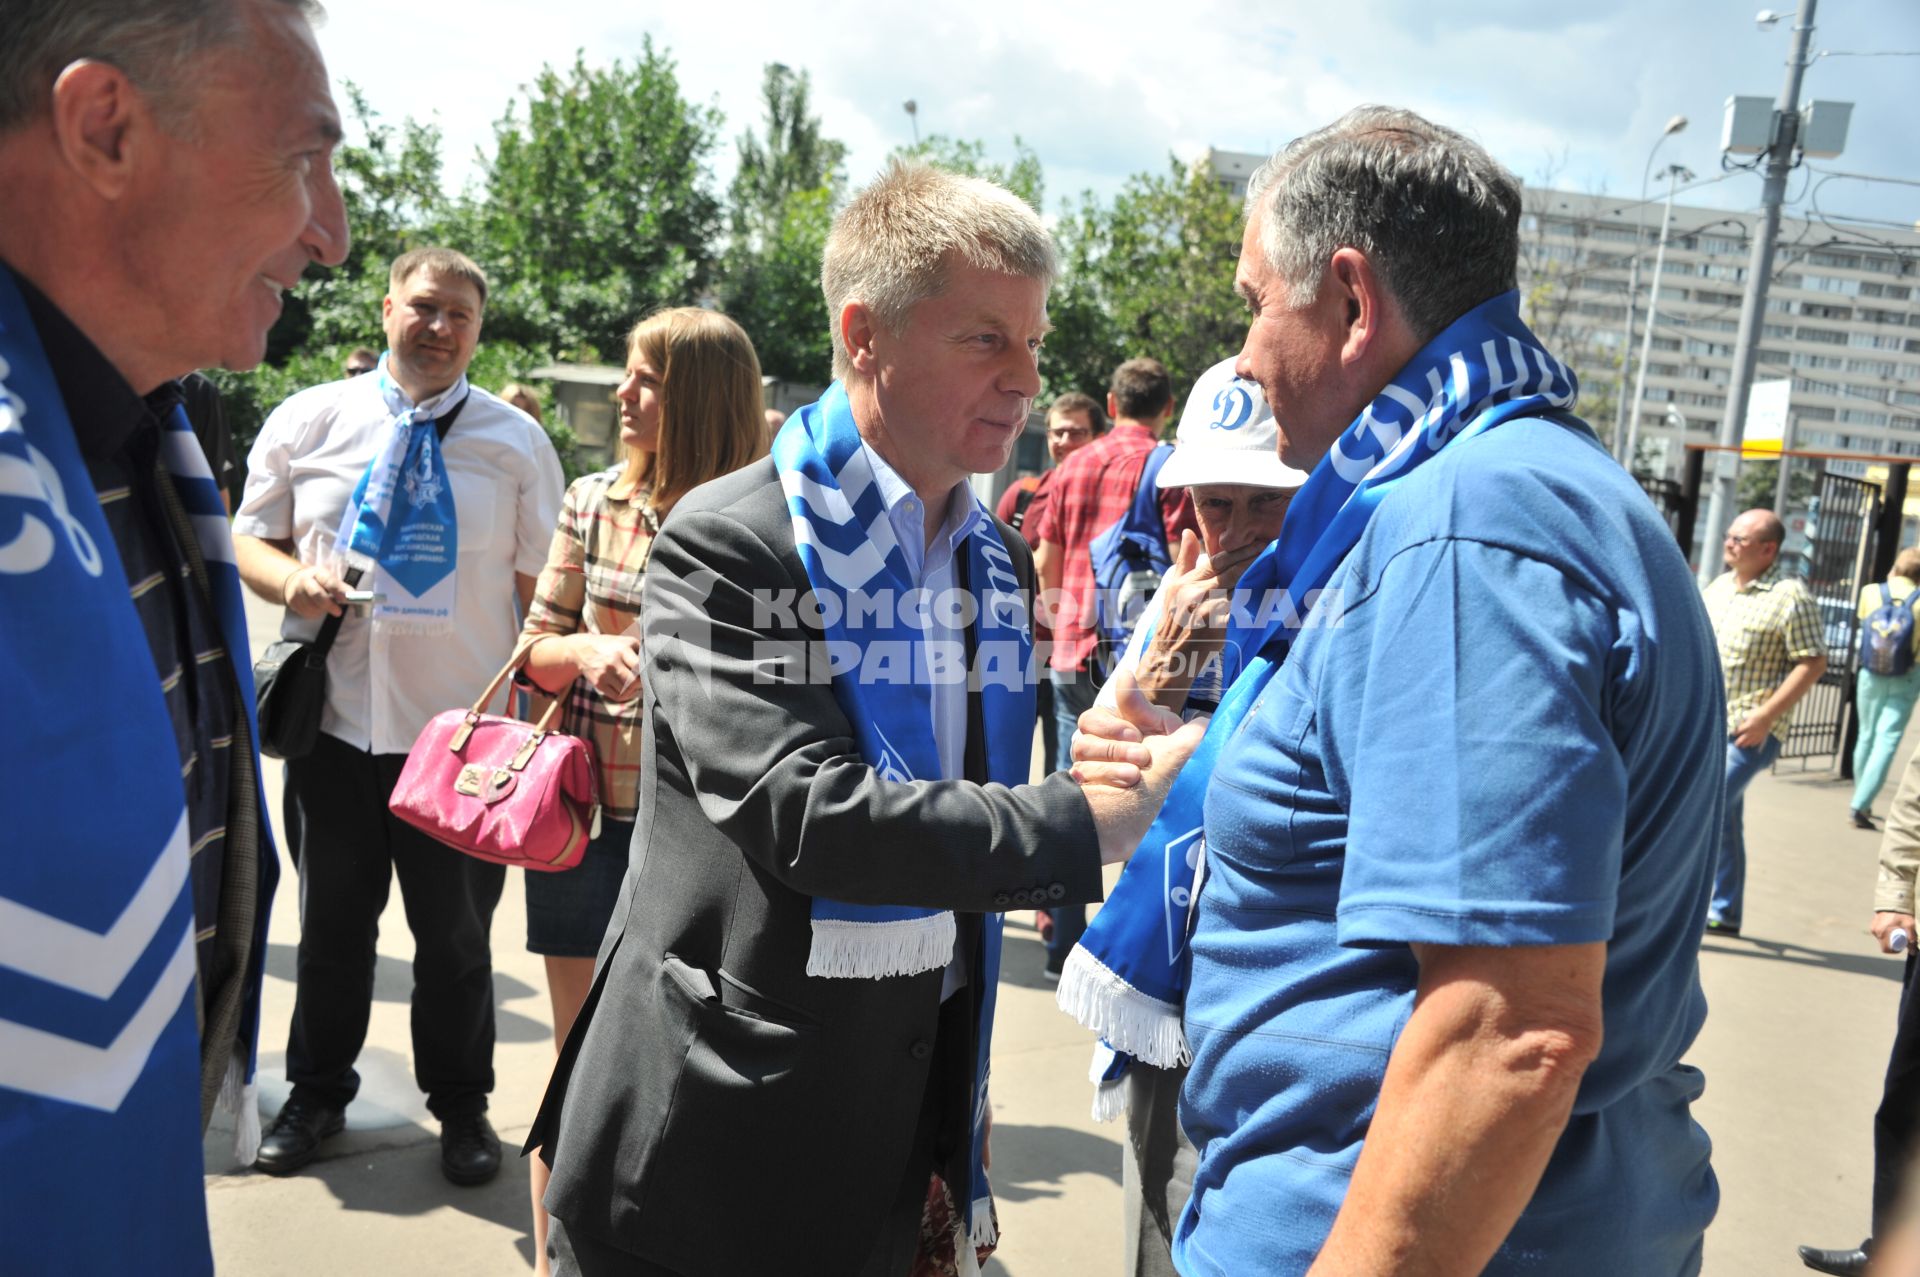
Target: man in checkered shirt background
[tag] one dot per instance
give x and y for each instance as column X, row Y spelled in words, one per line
column 1771, row 653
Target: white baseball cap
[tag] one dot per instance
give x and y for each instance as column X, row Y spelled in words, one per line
column 1227, row 435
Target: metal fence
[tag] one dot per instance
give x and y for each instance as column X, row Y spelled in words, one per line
column 1843, row 526
column 1670, row 499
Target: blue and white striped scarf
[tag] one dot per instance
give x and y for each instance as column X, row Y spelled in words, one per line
column 99, row 1049
column 401, row 521
column 847, row 544
column 1127, row 978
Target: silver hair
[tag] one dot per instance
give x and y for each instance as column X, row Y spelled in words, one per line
column 889, row 247
column 1437, row 216
column 156, row 42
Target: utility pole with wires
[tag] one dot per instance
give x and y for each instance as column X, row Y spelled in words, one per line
column 1779, row 153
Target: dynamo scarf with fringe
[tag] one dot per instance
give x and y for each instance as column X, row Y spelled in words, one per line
column 100, row 1057
column 401, row 521
column 847, row 545
column 1127, row 978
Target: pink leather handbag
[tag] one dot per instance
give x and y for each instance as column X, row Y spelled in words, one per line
column 500, row 789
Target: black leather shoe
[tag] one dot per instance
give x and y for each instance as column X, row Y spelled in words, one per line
column 1844, row 1263
column 1863, row 819
column 469, row 1150
column 296, row 1134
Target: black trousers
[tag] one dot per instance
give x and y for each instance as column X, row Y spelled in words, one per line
column 1157, row 1174
column 1898, row 1118
column 348, row 849
column 1049, row 725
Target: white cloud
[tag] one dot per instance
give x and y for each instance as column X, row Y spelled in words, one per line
column 1104, row 90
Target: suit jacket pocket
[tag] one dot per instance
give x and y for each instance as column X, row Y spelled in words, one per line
column 733, row 1000
column 760, row 1081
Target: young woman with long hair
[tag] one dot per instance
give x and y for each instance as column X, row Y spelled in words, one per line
column 690, row 411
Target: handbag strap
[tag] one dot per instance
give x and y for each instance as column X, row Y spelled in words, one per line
column 540, row 729
column 330, row 628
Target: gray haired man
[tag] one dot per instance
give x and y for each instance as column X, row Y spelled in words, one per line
column 164, row 179
column 1462, row 818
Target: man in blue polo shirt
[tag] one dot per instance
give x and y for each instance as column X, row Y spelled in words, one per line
column 1459, row 834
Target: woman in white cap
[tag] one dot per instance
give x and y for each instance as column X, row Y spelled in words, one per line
column 1227, row 453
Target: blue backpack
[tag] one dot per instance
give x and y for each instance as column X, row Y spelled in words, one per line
column 1886, row 640
column 1129, row 559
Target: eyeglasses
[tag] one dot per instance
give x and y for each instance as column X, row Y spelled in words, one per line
column 355, row 372
column 1066, row 434
column 1743, row 542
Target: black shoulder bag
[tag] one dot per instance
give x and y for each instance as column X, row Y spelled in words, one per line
column 290, row 688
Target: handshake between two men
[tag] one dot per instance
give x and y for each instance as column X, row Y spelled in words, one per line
column 1135, row 740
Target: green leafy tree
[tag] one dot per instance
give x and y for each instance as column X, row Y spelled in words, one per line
column 1151, row 274
column 774, row 291
column 1759, row 479
column 595, row 207
column 781, row 206
column 1024, row 176
column 790, row 158
column 1086, row 342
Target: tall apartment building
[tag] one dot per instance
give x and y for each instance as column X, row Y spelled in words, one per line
column 1231, row 169
column 1842, row 318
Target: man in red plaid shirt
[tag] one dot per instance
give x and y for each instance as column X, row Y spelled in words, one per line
column 1090, row 492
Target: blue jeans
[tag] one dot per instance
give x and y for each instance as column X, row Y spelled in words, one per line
column 1883, row 704
column 1730, row 874
column 1073, row 694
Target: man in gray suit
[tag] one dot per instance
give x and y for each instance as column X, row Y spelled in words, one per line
column 717, row 1110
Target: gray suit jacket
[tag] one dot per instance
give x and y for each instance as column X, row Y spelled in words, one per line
column 715, row 1109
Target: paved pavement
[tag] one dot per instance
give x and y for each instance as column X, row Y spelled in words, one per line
column 1801, row 1016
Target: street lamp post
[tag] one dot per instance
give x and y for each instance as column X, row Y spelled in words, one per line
column 1779, row 153
column 1675, row 174
column 1674, row 125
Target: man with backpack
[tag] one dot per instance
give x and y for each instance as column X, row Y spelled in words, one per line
column 1771, row 654
column 1073, row 421
column 1889, row 679
column 1093, row 490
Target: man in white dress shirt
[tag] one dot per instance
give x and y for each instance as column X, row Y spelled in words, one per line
column 478, row 486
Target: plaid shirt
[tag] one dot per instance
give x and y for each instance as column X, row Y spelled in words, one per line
column 1090, row 492
column 1764, row 630
column 592, row 583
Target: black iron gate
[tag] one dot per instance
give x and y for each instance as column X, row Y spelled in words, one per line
column 1843, row 526
column 1669, row 497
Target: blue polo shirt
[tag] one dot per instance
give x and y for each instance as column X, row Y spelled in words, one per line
column 1502, row 728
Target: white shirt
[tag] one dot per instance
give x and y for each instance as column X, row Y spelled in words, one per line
column 382, row 687
column 931, row 568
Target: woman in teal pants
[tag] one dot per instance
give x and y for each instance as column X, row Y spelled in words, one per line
column 1883, row 702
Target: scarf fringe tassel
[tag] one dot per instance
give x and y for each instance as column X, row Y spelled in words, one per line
column 240, row 1100
column 413, row 629
column 986, row 1229
column 869, row 950
column 1130, row 1021
column 1109, row 1099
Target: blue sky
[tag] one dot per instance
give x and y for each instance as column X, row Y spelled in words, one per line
column 1576, row 90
